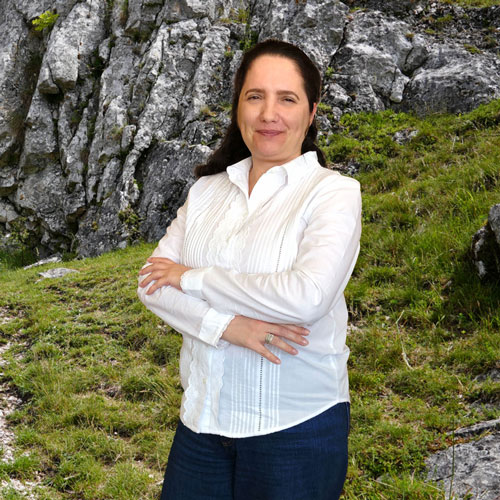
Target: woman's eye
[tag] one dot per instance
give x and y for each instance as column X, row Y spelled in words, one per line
column 289, row 99
column 253, row 97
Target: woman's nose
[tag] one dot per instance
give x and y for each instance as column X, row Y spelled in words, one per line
column 268, row 111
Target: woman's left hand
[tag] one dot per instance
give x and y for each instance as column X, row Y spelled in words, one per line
column 164, row 272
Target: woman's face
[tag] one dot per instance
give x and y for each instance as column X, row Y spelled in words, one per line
column 273, row 111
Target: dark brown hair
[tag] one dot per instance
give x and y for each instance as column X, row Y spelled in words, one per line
column 232, row 148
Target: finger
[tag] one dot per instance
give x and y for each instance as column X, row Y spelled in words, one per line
column 146, row 281
column 147, row 270
column 160, row 259
column 266, row 353
column 152, row 289
column 157, row 284
column 157, row 266
column 297, row 329
column 281, row 344
column 290, row 335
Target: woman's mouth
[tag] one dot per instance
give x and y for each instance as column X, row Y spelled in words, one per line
column 269, row 133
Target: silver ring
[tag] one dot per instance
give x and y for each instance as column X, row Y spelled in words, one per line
column 269, row 338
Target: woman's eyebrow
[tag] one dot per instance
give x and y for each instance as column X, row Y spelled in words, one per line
column 279, row 92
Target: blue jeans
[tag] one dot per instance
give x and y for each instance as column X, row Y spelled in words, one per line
column 304, row 462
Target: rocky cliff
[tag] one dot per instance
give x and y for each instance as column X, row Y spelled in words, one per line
column 105, row 113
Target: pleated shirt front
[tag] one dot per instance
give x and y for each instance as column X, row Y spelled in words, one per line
column 282, row 255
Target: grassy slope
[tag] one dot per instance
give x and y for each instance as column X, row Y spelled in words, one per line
column 100, row 376
column 472, row 3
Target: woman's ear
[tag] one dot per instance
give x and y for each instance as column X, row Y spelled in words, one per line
column 313, row 113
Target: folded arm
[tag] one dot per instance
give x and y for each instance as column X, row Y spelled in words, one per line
column 306, row 292
column 188, row 315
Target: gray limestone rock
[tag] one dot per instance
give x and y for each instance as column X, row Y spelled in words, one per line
column 452, row 80
column 8, row 180
column 469, row 470
column 40, row 194
column 168, row 175
column 377, row 58
column 70, row 46
column 88, row 104
column 40, row 148
column 404, row 136
column 57, row 272
column 485, row 247
column 473, row 430
column 7, row 212
column 48, row 260
column 316, row 25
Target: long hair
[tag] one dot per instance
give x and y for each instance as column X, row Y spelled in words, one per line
column 232, row 148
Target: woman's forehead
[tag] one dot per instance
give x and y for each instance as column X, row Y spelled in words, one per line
column 273, row 69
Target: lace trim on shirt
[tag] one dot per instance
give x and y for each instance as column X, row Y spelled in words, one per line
column 222, row 233
column 217, row 379
column 181, row 282
column 191, row 394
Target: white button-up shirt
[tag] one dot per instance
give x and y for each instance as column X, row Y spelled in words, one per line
column 282, row 255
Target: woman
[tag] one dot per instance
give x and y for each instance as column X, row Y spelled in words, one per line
column 252, row 273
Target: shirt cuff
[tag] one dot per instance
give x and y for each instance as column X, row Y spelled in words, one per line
column 192, row 282
column 213, row 326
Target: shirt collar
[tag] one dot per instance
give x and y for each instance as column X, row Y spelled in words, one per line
column 293, row 171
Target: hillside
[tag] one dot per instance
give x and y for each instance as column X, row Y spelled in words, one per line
column 98, row 374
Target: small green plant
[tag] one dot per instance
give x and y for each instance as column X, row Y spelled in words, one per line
column 329, row 72
column 324, row 109
column 131, row 220
column 116, row 132
column 249, row 40
column 225, row 106
column 243, row 15
column 206, row 112
column 45, row 20
column 490, row 42
column 443, row 21
column 124, row 13
column 472, row 48
column 236, row 16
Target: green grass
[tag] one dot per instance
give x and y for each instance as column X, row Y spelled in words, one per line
column 99, row 376
column 472, row 3
column 415, row 295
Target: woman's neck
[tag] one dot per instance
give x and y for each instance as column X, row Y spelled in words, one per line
column 256, row 171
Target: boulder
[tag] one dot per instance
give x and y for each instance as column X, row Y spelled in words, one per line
column 452, row 80
column 468, row 470
column 70, row 46
column 57, row 272
column 485, row 247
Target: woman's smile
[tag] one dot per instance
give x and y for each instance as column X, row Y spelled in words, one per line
column 269, row 133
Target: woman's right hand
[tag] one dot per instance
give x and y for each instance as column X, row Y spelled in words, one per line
column 251, row 333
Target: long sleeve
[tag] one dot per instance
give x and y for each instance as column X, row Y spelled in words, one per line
column 188, row 315
column 326, row 257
